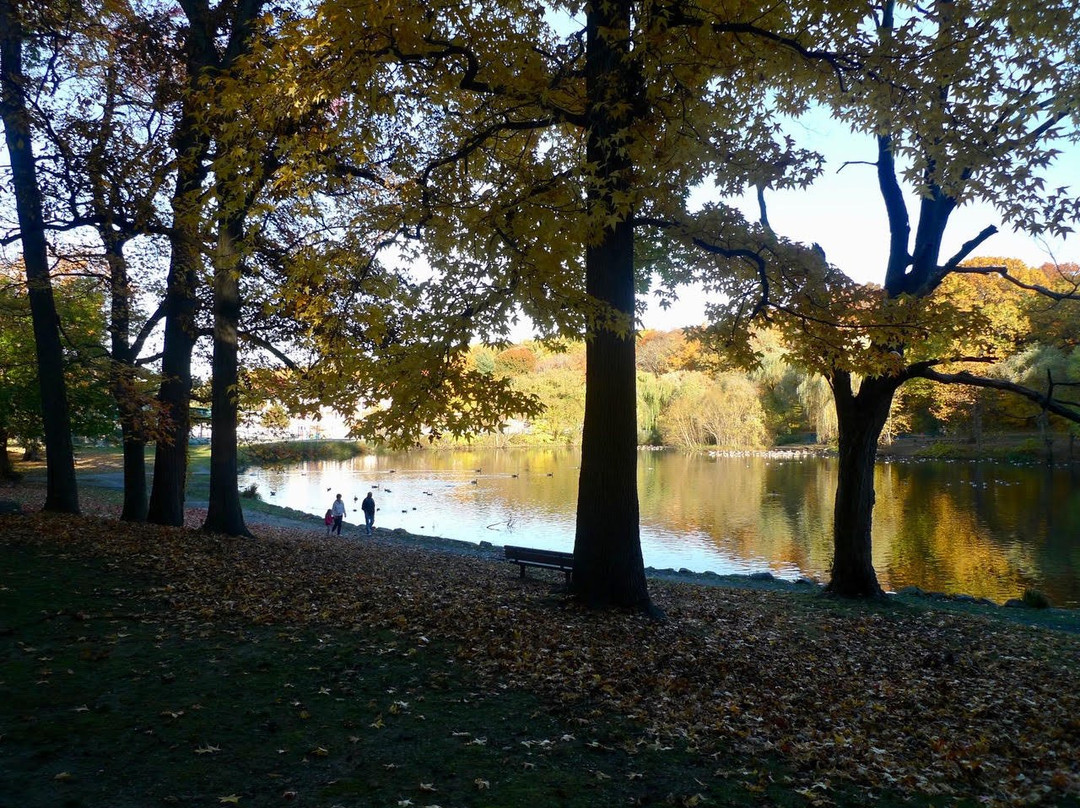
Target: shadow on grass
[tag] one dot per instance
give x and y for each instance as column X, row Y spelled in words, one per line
column 109, row 698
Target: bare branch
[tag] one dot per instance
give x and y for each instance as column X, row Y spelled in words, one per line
column 1055, row 406
column 147, row 327
column 763, row 211
column 966, row 250
column 258, row 341
column 847, row 163
column 1031, row 287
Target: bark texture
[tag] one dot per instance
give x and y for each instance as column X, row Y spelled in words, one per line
column 608, row 566
column 62, row 493
column 860, row 417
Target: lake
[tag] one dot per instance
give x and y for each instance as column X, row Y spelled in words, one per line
column 985, row 529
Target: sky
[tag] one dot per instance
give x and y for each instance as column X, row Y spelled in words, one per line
column 843, row 212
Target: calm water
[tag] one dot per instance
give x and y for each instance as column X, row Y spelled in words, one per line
column 990, row 530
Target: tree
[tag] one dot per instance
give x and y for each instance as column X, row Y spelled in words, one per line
column 723, row 411
column 110, row 163
column 61, row 488
column 191, row 147
column 215, row 39
column 964, row 101
column 654, row 396
column 20, row 392
column 81, row 319
column 235, row 197
column 553, row 168
column 661, row 352
column 560, row 390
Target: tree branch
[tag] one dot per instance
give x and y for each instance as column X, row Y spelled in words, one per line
column 258, row 341
column 1031, row 287
column 1042, row 399
column 147, row 327
column 838, row 62
column 896, row 211
column 964, row 251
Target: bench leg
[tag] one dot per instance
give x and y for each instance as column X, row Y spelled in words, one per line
column 522, row 570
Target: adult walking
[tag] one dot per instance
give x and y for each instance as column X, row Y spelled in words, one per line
column 368, row 507
column 338, row 512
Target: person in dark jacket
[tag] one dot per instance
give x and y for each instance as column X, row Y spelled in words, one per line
column 368, row 507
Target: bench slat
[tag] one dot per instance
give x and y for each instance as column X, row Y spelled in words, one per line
column 535, row 557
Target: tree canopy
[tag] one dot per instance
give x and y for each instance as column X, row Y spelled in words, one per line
column 352, row 195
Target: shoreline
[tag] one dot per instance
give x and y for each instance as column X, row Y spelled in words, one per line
column 762, row 581
column 310, row 526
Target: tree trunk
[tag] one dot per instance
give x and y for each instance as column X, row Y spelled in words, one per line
column 1047, row 437
column 860, row 419
column 224, row 513
column 135, row 503
column 170, row 457
column 62, row 494
column 123, row 380
column 608, row 566
column 7, row 470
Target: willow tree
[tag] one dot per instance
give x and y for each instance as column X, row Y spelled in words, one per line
column 529, row 161
column 965, row 100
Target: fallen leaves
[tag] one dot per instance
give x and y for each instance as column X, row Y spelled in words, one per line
column 881, row 697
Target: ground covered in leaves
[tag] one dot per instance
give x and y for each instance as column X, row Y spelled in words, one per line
column 298, row 669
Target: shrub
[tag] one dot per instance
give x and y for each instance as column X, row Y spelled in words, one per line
column 1034, row 599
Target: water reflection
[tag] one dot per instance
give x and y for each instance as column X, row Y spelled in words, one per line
column 986, row 529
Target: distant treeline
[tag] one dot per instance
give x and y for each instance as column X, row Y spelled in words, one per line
column 686, row 401
column 269, row 454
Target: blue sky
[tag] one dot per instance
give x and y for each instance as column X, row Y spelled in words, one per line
column 843, row 212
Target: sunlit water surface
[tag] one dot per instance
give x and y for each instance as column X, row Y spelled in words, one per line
column 985, row 529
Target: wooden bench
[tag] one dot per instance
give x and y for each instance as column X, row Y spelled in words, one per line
column 547, row 559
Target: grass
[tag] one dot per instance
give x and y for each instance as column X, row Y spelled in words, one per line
column 145, row 666
column 282, row 452
column 109, row 698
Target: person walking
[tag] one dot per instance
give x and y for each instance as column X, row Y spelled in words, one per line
column 338, row 512
column 329, row 520
column 368, row 507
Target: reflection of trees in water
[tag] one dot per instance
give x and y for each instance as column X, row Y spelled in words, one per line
column 983, row 529
column 752, row 507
